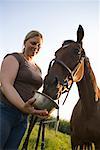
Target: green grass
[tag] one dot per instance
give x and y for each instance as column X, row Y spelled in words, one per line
column 53, row 140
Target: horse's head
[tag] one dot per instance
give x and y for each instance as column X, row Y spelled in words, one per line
column 66, row 67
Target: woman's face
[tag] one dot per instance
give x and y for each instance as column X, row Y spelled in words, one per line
column 33, row 45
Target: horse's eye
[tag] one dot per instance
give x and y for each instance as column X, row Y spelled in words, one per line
column 77, row 51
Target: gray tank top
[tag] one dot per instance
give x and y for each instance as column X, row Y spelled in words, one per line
column 28, row 78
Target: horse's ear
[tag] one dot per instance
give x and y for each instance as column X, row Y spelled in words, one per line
column 80, row 34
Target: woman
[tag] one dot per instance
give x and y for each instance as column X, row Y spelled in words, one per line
column 19, row 77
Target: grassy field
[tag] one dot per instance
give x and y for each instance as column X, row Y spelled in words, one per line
column 53, row 140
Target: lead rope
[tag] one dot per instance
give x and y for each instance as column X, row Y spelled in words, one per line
column 57, row 122
column 67, row 93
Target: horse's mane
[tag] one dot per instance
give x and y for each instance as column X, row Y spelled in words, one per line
column 96, row 88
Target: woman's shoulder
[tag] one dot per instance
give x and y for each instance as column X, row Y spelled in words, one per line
column 12, row 54
column 16, row 55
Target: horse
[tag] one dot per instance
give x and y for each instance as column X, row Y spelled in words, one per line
column 72, row 65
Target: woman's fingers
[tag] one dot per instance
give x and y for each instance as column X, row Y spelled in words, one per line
column 31, row 101
column 29, row 107
column 41, row 112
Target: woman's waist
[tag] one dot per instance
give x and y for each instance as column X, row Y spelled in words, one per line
column 6, row 104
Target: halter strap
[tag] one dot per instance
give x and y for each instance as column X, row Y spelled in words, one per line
column 72, row 72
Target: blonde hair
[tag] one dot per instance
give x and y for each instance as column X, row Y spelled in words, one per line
column 32, row 34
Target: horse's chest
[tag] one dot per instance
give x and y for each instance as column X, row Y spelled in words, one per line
column 86, row 129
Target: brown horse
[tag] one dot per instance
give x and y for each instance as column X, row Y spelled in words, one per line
column 71, row 65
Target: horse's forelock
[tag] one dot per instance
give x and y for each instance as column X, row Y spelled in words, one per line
column 65, row 43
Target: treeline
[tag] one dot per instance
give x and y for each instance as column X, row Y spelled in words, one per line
column 62, row 126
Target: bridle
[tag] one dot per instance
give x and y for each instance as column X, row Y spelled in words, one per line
column 64, row 82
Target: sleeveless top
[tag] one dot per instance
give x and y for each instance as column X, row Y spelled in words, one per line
column 27, row 80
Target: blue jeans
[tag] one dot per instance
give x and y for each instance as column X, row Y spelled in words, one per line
column 13, row 124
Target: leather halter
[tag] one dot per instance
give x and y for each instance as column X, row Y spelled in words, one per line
column 72, row 73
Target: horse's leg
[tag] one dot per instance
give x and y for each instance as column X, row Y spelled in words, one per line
column 31, row 125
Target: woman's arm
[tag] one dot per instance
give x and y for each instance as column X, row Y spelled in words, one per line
column 9, row 70
column 8, row 74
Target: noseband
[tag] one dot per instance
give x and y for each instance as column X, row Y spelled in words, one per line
column 64, row 82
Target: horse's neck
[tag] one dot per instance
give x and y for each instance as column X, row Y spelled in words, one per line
column 87, row 88
column 96, row 88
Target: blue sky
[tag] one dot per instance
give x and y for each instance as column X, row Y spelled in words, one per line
column 57, row 20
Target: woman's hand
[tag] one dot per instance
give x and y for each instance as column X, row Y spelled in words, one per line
column 29, row 109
